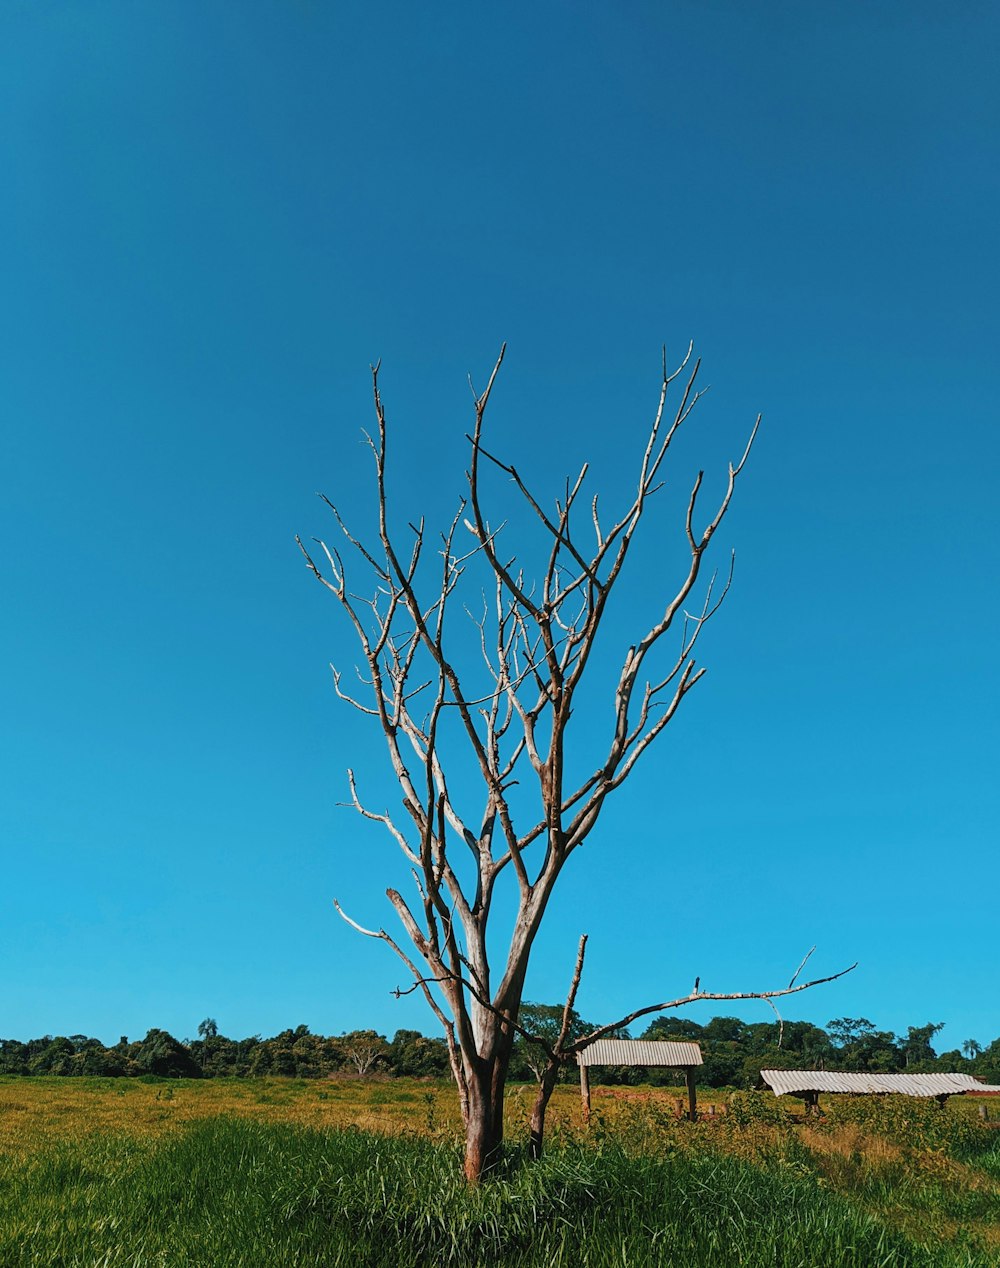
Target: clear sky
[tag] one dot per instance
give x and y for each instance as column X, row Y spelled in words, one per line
column 215, row 216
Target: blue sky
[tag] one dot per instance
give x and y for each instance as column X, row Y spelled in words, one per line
column 215, row 218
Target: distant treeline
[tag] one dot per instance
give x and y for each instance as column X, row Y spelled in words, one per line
column 734, row 1052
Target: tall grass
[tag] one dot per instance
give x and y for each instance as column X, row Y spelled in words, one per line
column 239, row 1193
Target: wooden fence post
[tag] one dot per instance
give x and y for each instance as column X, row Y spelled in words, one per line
column 692, row 1096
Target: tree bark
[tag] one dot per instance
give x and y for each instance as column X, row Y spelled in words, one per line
column 537, row 1125
column 484, row 1118
column 483, row 1146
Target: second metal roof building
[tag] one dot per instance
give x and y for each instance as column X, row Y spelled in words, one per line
column 795, row 1082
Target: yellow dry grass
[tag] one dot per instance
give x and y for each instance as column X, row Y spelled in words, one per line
column 37, row 1112
column 40, row 1111
column 850, row 1141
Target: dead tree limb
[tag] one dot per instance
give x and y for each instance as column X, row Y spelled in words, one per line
column 565, row 1051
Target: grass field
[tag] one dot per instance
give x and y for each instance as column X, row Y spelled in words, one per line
column 283, row 1172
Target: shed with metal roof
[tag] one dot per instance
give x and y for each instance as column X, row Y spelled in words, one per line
column 808, row 1084
column 649, row 1052
column 644, row 1052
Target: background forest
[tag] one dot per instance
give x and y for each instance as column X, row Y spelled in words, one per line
column 734, row 1052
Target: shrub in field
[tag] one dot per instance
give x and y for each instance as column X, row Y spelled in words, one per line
column 747, row 1108
column 911, row 1122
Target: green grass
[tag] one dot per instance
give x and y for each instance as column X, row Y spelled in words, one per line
column 990, row 1161
column 237, row 1193
column 106, row 1174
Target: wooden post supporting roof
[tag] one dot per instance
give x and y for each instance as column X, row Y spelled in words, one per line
column 692, row 1094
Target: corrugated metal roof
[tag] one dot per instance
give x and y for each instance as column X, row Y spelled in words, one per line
column 793, row 1081
column 640, row 1052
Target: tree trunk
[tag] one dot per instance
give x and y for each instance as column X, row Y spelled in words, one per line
column 537, row 1127
column 484, row 1126
column 485, row 1080
column 482, row 1149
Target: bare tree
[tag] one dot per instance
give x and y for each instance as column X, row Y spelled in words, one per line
column 535, row 637
column 364, row 1049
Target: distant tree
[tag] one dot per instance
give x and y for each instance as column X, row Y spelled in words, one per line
column 160, row 1053
column 208, row 1029
column 861, row 1047
column 726, row 1030
column 814, row 1044
column 972, row 1048
column 411, row 1054
column 544, row 1022
column 246, row 1051
column 917, row 1045
column 364, row 1049
column 807, row 1043
column 14, row 1057
column 310, row 1053
column 221, row 1057
column 725, row 1046
column 845, row 1031
column 675, row 1029
column 261, row 1060
column 791, row 1045
column 987, row 1062
column 279, row 1056
column 55, row 1058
